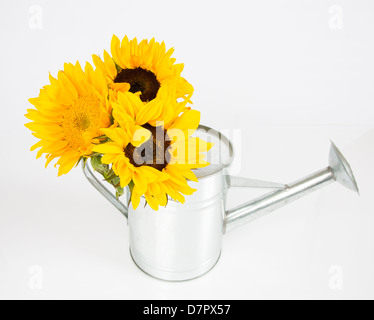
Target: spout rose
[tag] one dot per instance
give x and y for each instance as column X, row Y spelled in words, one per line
column 341, row 169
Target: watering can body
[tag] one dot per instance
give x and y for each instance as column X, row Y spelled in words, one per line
column 183, row 241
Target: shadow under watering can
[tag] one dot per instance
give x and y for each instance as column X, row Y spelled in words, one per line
column 183, row 241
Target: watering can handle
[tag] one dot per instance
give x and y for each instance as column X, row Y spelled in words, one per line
column 103, row 190
column 239, row 182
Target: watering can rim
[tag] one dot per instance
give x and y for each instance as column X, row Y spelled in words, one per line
column 225, row 164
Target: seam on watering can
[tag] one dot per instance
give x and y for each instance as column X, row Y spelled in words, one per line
column 209, row 202
column 166, row 280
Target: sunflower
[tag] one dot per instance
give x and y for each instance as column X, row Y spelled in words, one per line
column 151, row 149
column 69, row 115
column 143, row 67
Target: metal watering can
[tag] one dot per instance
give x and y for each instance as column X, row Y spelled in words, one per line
column 183, row 241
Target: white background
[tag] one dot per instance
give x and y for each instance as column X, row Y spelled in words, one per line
column 289, row 74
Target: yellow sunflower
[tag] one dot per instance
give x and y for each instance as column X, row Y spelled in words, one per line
column 152, row 149
column 143, row 67
column 69, row 114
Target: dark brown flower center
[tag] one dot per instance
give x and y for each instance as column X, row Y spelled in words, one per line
column 141, row 80
column 153, row 153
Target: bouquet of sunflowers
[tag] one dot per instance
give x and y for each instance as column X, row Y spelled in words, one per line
column 130, row 115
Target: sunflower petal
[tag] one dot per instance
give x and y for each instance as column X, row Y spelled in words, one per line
column 135, row 198
column 115, row 49
column 188, row 122
column 117, row 135
column 109, row 147
column 129, row 103
column 150, row 112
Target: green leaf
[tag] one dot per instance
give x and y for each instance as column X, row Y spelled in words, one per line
column 96, row 161
column 131, row 188
column 119, row 192
column 98, row 166
column 110, row 176
column 103, row 137
column 111, row 122
column 115, row 182
column 117, row 67
column 95, row 154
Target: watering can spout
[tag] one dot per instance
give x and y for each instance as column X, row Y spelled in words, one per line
column 341, row 169
column 338, row 170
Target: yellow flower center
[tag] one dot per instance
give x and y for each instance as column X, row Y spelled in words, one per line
column 81, row 122
column 141, row 80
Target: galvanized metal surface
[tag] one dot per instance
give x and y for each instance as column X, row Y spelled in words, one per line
column 338, row 170
column 183, row 241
